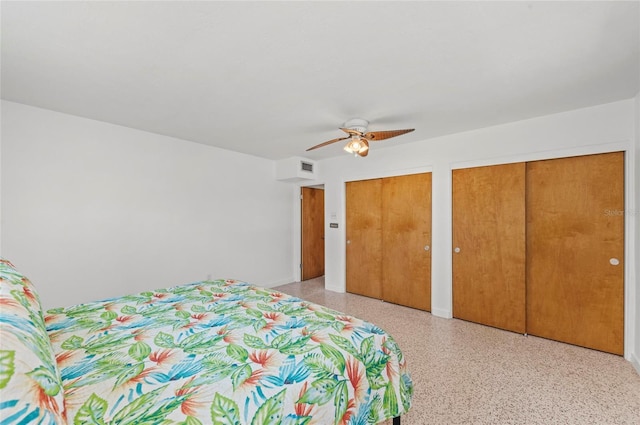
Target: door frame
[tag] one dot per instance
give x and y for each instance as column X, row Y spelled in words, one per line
column 297, row 225
column 302, row 223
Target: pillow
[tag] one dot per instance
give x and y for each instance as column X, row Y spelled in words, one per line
column 30, row 386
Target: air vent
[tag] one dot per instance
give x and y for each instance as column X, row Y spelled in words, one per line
column 296, row 169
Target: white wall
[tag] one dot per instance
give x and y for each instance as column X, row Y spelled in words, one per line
column 603, row 128
column 634, row 218
column 1, row 103
column 92, row 210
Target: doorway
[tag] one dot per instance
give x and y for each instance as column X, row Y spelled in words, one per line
column 312, row 232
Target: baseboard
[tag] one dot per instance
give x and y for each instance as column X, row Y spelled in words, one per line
column 635, row 362
column 277, row 283
column 445, row 314
column 334, row 288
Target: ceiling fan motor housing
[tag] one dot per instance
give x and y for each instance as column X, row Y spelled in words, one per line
column 357, row 124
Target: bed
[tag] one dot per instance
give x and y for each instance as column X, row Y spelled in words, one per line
column 221, row 352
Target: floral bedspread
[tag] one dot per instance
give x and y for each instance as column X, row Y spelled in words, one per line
column 224, row 352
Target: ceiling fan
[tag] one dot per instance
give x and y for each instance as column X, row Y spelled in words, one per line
column 359, row 138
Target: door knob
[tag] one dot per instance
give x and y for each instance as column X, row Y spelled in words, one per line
column 426, row 248
column 348, row 241
column 614, row 261
column 456, row 250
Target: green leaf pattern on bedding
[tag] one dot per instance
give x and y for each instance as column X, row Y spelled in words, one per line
column 217, row 352
column 29, row 378
column 225, row 352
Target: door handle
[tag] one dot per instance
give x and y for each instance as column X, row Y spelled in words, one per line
column 457, row 249
column 427, row 248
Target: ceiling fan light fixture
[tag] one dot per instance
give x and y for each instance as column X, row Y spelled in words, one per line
column 353, row 146
column 356, row 146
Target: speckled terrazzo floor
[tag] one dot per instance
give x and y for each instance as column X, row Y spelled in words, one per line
column 466, row 373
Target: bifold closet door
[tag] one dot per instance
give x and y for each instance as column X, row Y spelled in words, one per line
column 489, row 255
column 406, row 240
column 575, row 249
column 364, row 237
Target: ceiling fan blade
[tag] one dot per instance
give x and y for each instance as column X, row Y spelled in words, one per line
column 386, row 134
column 327, row 143
column 352, row 131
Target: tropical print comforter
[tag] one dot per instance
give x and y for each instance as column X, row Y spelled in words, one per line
column 224, row 352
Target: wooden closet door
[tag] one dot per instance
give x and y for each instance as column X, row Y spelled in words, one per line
column 406, row 232
column 575, row 247
column 364, row 237
column 312, row 210
column 489, row 246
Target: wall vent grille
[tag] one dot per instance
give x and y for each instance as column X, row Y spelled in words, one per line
column 306, row 166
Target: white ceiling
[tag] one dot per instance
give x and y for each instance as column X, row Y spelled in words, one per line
column 273, row 78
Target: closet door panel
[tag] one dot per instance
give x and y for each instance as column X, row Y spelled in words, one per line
column 489, row 246
column 364, row 237
column 575, row 248
column 406, row 240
